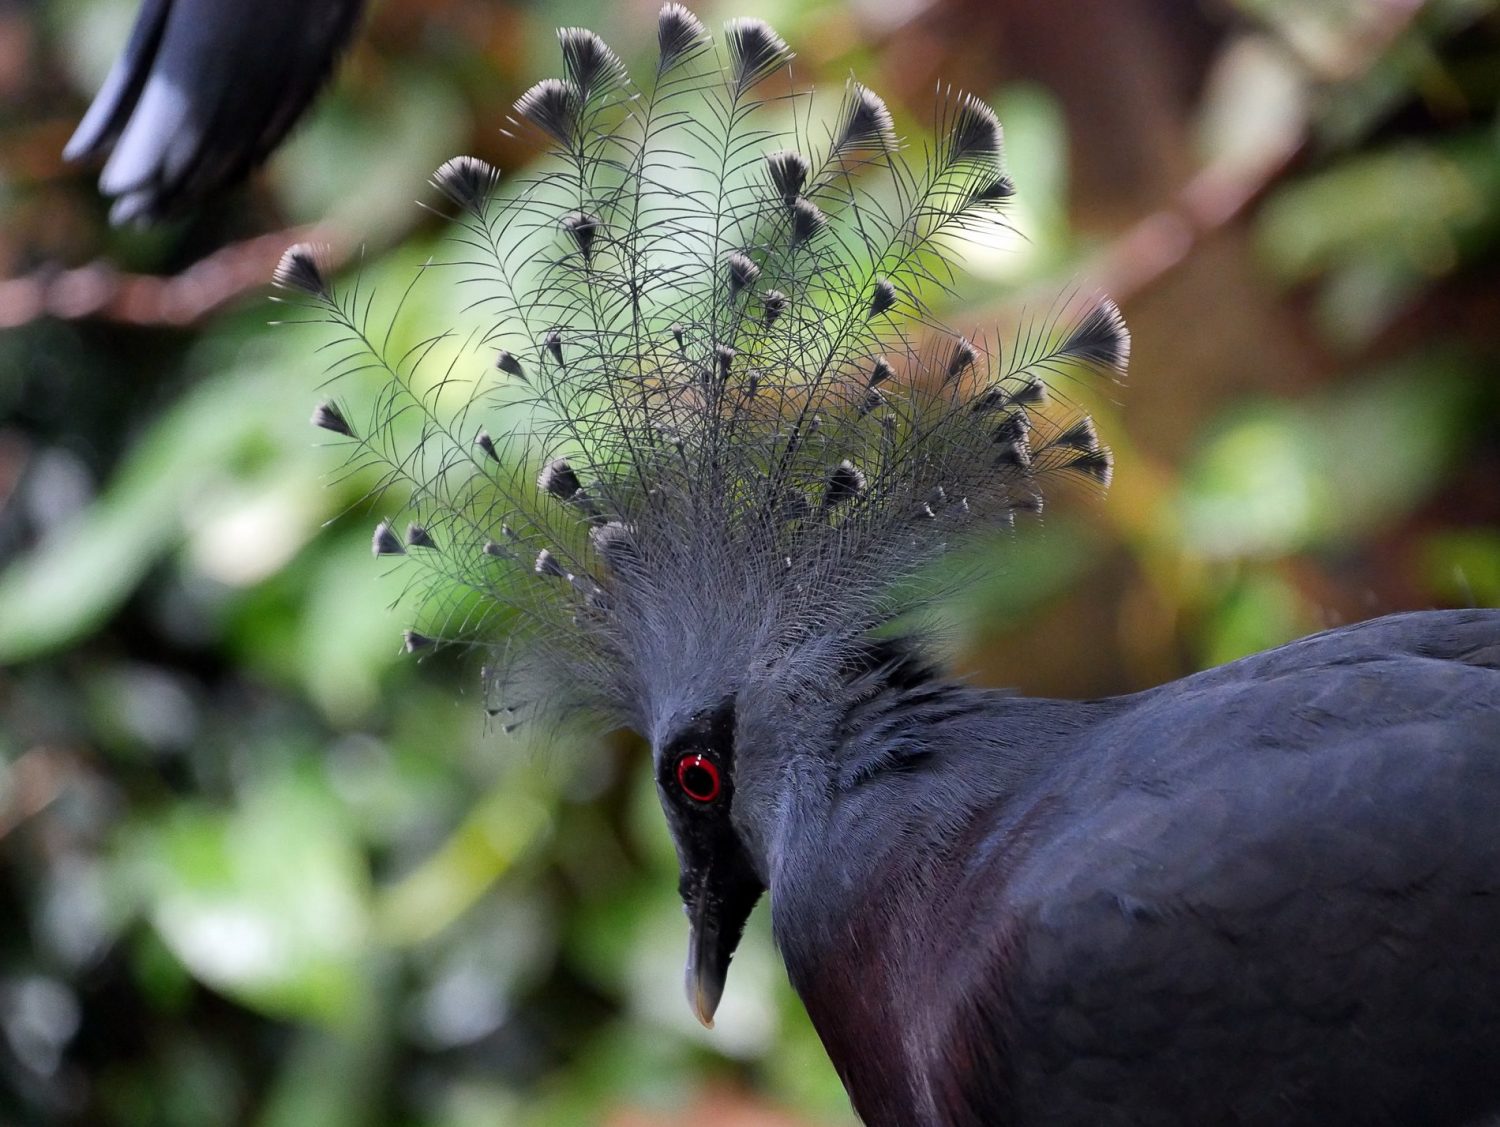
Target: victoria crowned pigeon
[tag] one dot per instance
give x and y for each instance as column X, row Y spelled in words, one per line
column 1266, row 894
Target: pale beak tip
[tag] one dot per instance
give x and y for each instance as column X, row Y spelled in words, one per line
column 702, row 1002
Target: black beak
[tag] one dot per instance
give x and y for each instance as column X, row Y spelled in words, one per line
column 719, row 901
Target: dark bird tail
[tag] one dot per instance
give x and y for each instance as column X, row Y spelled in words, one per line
column 203, row 91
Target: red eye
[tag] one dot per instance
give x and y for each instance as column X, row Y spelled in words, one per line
column 698, row 778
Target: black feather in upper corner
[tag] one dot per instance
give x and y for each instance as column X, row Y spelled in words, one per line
column 203, row 91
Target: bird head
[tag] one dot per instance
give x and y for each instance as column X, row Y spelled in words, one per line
column 720, row 883
column 705, row 427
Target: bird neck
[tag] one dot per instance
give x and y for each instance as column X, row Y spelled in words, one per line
column 887, row 880
column 901, row 746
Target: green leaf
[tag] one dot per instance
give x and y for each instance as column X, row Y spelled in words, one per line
column 266, row 903
column 1257, row 613
column 355, row 166
column 206, row 454
column 1464, row 565
column 1284, row 477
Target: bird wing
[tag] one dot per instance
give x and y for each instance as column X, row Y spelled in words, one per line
column 1460, row 637
column 202, row 92
column 1271, row 894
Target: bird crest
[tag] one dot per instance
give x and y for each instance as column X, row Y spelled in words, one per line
column 702, row 420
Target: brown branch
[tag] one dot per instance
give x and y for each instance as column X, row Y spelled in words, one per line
column 38, row 778
column 1154, row 244
column 98, row 291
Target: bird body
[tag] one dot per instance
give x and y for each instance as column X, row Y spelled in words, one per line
column 1264, row 894
column 715, row 428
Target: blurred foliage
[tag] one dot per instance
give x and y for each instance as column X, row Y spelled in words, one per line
column 261, row 869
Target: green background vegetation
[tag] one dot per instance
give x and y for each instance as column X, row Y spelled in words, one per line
column 258, row 867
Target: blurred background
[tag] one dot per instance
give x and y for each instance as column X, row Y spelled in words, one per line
column 258, row 868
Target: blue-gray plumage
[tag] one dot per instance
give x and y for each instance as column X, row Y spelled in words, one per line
column 702, row 426
column 1265, row 894
column 203, row 91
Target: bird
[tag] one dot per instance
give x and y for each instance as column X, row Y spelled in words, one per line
column 202, row 93
column 683, row 464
